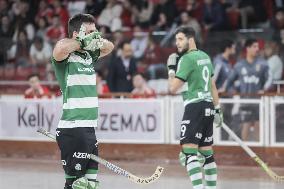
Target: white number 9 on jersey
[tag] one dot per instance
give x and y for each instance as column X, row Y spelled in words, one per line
column 206, row 77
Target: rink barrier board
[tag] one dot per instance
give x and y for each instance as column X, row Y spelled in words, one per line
column 148, row 121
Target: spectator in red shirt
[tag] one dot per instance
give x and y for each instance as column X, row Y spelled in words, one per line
column 141, row 88
column 61, row 11
column 56, row 31
column 36, row 90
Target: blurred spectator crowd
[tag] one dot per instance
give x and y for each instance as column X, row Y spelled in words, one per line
column 142, row 33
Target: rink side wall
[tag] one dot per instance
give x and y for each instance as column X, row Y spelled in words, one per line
column 225, row 155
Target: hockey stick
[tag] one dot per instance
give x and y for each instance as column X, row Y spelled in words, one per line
column 115, row 168
column 265, row 167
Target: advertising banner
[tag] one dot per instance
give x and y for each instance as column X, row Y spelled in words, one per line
column 177, row 109
column 129, row 120
column 120, row 121
column 19, row 120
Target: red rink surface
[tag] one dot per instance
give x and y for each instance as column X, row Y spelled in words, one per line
column 16, row 173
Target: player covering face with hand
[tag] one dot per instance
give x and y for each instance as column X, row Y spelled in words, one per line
column 201, row 104
column 73, row 60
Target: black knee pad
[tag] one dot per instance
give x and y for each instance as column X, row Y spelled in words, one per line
column 209, row 159
column 68, row 183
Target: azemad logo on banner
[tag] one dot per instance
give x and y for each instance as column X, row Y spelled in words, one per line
column 129, row 120
column 21, row 119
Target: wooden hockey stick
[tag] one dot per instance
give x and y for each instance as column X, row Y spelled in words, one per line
column 265, row 167
column 115, row 168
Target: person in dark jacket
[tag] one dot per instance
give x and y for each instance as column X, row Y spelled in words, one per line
column 121, row 70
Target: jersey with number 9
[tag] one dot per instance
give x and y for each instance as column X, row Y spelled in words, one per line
column 196, row 69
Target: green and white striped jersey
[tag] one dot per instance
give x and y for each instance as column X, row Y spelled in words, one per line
column 77, row 80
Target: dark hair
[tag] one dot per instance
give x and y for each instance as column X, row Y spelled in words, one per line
column 24, row 32
column 143, row 75
column 56, row 15
column 249, row 42
column 99, row 73
column 38, row 39
column 187, row 31
column 74, row 23
column 121, row 45
column 227, row 43
column 33, row 75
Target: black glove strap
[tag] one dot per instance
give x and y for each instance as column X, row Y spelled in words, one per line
column 173, row 67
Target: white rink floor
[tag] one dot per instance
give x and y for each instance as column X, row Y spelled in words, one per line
column 35, row 174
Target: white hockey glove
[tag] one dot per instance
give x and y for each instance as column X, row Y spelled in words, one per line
column 91, row 41
column 218, row 118
column 172, row 64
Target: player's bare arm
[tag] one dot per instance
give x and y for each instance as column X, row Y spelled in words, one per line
column 175, row 84
column 218, row 119
column 214, row 92
column 106, row 48
column 64, row 47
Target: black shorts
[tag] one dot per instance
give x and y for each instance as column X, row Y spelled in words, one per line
column 249, row 112
column 197, row 124
column 76, row 145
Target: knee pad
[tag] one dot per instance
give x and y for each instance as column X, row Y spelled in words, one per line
column 201, row 158
column 182, row 158
column 208, row 155
column 190, row 154
column 190, row 158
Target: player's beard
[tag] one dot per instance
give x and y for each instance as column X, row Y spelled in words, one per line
column 184, row 50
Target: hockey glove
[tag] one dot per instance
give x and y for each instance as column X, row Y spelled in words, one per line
column 172, row 64
column 93, row 185
column 91, row 41
column 218, row 118
column 81, row 183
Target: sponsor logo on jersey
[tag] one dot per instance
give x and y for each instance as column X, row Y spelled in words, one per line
column 86, row 69
column 78, row 167
column 251, row 79
column 204, row 95
column 80, row 155
column 208, row 139
column 185, row 122
column 63, row 162
column 203, row 62
column 209, row 112
column 198, row 135
column 57, row 133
